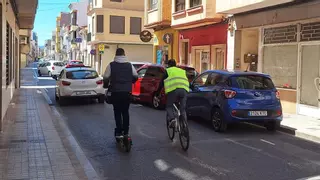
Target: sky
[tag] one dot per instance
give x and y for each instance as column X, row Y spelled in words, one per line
column 47, row 12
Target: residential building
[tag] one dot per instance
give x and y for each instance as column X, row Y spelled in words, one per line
column 47, row 49
column 34, row 48
column 112, row 24
column 54, row 54
column 78, row 31
column 17, row 19
column 64, row 22
column 202, row 37
column 280, row 38
column 158, row 18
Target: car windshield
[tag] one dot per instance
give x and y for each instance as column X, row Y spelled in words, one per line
column 82, row 74
column 253, row 82
column 76, row 62
column 58, row 64
column 137, row 66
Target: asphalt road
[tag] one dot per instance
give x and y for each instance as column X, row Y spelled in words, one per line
column 245, row 152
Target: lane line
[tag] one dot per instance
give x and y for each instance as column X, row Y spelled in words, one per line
column 268, row 142
column 244, row 145
column 45, row 95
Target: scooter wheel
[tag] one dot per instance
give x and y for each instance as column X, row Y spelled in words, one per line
column 127, row 144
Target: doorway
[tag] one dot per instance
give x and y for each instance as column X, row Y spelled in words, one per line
column 309, row 96
column 218, row 53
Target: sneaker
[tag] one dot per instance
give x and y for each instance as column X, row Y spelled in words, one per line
column 118, row 135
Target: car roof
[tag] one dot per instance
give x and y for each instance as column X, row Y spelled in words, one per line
column 79, row 68
column 237, row 72
column 160, row 65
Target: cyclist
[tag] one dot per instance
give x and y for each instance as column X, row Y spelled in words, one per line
column 176, row 86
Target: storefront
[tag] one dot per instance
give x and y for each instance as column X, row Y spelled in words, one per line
column 204, row 47
column 289, row 51
column 165, row 45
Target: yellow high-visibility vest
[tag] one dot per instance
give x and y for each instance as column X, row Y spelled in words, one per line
column 177, row 79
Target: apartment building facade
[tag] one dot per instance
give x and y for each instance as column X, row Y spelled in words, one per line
column 17, row 18
column 280, row 38
column 112, row 24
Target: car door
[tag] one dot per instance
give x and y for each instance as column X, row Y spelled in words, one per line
column 58, row 66
column 208, row 95
column 196, row 97
column 58, row 81
column 151, row 82
column 136, row 89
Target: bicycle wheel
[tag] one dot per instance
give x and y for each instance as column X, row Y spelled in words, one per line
column 184, row 133
column 171, row 130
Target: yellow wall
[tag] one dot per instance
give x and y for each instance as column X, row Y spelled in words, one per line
column 119, row 38
column 173, row 47
column 166, row 10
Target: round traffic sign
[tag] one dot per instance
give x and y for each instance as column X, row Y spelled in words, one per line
column 167, row 38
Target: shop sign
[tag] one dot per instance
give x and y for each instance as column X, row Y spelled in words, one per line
column 167, row 38
column 145, row 36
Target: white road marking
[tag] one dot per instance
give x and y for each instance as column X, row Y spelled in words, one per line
column 37, row 87
column 161, row 165
column 268, row 142
column 311, row 178
column 244, row 145
column 46, row 96
column 46, row 90
column 46, row 78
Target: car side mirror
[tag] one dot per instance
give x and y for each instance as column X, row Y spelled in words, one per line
column 55, row 77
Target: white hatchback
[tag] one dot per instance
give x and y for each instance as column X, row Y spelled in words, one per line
column 79, row 82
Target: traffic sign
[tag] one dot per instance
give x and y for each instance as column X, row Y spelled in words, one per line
column 101, row 47
column 167, row 38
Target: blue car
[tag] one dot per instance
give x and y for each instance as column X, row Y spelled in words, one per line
column 225, row 97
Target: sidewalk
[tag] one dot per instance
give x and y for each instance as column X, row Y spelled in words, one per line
column 32, row 146
column 302, row 126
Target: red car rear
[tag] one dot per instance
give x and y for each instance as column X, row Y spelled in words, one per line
column 149, row 77
column 75, row 63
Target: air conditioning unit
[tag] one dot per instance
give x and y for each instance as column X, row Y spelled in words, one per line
column 23, row 40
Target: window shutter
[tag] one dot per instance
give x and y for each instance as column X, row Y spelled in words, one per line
column 135, row 25
column 100, row 24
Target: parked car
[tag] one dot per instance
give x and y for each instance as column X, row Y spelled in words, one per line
column 74, row 63
column 149, row 77
column 225, row 97
column 79, row 82
column 51, row 68
column 138, row 65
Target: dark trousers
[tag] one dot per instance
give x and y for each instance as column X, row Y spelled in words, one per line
column 179, row 95
column 121, row 102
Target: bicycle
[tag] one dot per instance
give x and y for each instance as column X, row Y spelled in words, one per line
column 181, row 127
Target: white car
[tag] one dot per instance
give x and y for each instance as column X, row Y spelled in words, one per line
column 51, row 68
column 79, row 82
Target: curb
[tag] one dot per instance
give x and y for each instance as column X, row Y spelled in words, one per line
column 299, row 134
column 71, row 142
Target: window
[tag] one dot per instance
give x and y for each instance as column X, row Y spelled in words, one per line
column 142, row 72
column 252, row 82
column 135, row 25
column 215, row 79
column 153, row 4
column 180, row 5
column 93, row 27
column 117, row 24
column 280, row 62
column 8, row 54
column 201, row 80
column 74, row 18
column 58, row 64
column 194, row 3
column 100, row 24
column 154, row 72
column 116, row 0
column 82, row 74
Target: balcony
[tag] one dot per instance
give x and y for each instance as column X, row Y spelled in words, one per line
column 158, row 14
column 194, row 13
column 26, row 12
column 240, row 6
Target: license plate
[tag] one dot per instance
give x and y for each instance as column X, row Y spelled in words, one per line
column 258, row 113
column 83, row 93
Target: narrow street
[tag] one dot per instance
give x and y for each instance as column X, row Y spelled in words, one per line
column 245, row 152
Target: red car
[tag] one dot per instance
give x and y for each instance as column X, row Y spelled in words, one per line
column 149, row 77
column 75, row 63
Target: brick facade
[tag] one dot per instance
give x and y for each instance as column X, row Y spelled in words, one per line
column 310, row 32
column 283, row 34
